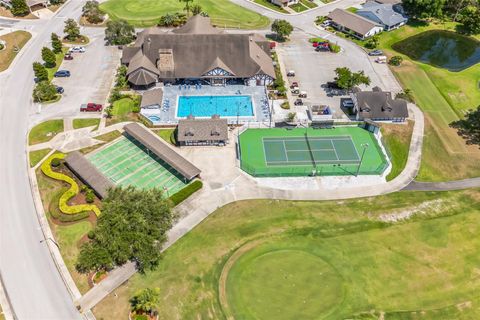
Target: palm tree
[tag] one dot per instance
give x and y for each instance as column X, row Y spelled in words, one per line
column 145, row 301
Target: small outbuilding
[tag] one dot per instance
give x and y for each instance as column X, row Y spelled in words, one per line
column 202, row 132
column 152, row 99
column 378, row 105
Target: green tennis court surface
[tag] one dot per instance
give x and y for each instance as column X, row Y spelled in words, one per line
column 127, row 162
column 303, row 152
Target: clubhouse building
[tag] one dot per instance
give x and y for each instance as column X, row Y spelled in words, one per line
column 198, row 53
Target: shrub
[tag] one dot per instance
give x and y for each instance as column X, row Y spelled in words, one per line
column 186, row 192
column 285, row 105
column 44, row 91
column 71, row 192
column 372, row 43
column 1, row 46
column 71, row 29
column 115, row 95
column 396, row 61
column 19, row 8
column 49, row 57
column 57, row 214
column 91, row 234
column 89, row 196
column 335, row 48
column 83, row 188
column 56, row 162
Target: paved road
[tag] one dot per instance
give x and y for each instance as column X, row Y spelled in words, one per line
column 444, row 186
column 31, row 279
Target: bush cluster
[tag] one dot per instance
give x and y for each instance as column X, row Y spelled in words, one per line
column 71, row 192
column 186, row 192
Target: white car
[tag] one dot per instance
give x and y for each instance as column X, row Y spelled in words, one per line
column 347, row 103
column 77, row 49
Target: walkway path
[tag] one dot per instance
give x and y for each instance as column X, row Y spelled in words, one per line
column 444, row 186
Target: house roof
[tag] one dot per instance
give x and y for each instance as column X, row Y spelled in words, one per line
column 152, row 97
column 142, row 77
column 87, row 172
column 379, row 105
column 214, row 129
column 381, row 13
column 162, row 150
column 195, row 49
column 389, row 1
column 352, row 21
column 32, row 3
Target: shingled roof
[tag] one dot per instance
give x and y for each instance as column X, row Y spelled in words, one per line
column 162, row 150
column 379, row 105
column 88, row 173
column 151, row 98
column 351, row 21
column 196, row 48
column 214, row 129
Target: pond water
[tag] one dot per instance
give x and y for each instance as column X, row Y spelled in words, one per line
column 444, row 49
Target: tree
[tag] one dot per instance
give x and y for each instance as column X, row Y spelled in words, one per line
column 19, row 8
column 40, row 71
column 121, row 77
column 119, row 32
column 470, row 20
column 424, row 9
column 196, row 9
column 167, row 20
column 145, row 301
column 132, row 227
column 56, row 43
column 346, row 79
column 55, row 2
column 44, row 91
column 396, row 61
column 91, row 11
column 187, row 5
column 282, row 28
column 49, row 57
column 469, row 127
column 373, row 42
column 71, row 29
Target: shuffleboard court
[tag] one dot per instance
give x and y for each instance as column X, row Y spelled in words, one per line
column 305, row 152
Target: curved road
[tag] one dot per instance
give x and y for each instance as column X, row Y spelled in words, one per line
column 33, row 284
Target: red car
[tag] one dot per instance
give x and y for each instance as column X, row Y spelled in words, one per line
column 294, row 84
column 315, row 44
column 68, row 57
column 91, row 107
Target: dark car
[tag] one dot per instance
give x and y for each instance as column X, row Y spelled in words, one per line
column 59, row 89
column 298, row 102
column 62, row 74
column 376, row 53
column 332, row 85
column 91, row 107
column 68, row 56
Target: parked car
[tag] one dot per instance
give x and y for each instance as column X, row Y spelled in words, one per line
column 59, row 89
column 375, row 53
column 332, row 85
column 77, row 49
column 298, row 102
column 315, row 44
column 294, row 84
column 68, row 56
column 62, row 74
column 326, row 23
column 347, row 103
column 91, row 107
column 295, row 90
column 291, row 73
column 302, row 94
column 381, row 59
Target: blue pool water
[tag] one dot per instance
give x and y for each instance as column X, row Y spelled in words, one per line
column 206, row 106
column 154, row 118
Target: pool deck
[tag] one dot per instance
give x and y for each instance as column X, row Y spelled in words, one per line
column 172, row 93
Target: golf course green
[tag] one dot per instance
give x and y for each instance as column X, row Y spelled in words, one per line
column 147, row 12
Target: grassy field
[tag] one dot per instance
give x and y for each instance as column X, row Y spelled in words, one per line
column 147, row 13
column 89, row 122
column 36, row 156
column 16, row 38
column 167, row 135
column 122, row 110
column 444, row 96
column 397, row 141
column 426, row 264
column 45, row 131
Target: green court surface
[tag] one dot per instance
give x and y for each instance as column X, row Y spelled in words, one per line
column 303, row 152
column 127, row 162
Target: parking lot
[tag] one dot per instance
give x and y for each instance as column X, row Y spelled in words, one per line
column 314, row 69
column 91, row 77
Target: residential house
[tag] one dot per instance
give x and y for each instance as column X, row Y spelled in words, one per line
column 353, row 24
column 383, row 14
column 377, row 105
column 284, row 3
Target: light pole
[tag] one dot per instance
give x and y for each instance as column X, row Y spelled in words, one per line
column 49, row 238
column 166, row 190
column 365, row 146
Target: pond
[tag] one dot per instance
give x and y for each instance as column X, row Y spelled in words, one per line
column 443, row 49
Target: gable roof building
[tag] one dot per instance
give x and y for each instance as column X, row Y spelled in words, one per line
column 383, row 14
column 194, row 132
column 378, row 105
column 198, row 51
column 353, row 24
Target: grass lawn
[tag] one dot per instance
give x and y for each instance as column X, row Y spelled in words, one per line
column 309, row 4
column 352, row 9
column 45, row 131
column 298, row 7
column 122, row 110
column 147, row 13
column 322, row 260
column 444, row 96
column 88, row 122
column 16, row 38
column 36, row 156
column 397, row 141
column 270, row 5
column 167, row 135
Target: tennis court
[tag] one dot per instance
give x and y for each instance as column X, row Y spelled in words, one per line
column 304, row 152
column 127, row 162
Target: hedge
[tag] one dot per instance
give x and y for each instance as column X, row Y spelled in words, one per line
column 71, row 192
column 57, row 214
column 186, row 192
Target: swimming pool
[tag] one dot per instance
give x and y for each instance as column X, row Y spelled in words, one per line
column 206, row 106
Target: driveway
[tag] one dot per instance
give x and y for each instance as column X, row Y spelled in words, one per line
column 91, row 78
